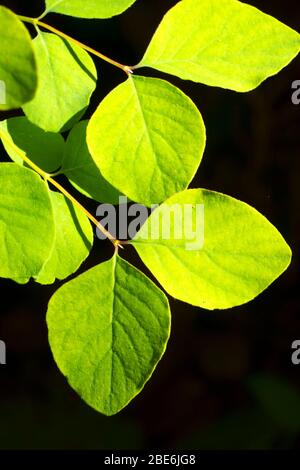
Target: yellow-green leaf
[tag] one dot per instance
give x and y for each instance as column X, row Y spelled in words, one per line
column 18, row 73
column 224, row 43
column 88, row 8
column 216, row 254
column 108, row 328
column 26, row 223
column 147, row 138
column 72, row 242
column 67, row 79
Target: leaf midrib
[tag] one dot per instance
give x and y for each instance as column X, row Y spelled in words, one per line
column 146, row 130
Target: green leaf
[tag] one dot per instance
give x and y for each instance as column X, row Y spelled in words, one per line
column 108, row 328
column 222, row 43
column 88, row 8
column 81, row 170
column 218, row 261
column 72, row 243
column 26, row 223
column 147, row 138
column 67, row 78
column 18, row 75
column 45, row 149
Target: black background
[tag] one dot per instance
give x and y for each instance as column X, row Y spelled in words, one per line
column 202, row 393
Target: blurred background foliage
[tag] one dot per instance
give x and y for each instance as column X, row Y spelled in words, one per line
column 226, row 380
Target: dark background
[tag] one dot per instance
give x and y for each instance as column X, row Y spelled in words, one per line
column 226, row 380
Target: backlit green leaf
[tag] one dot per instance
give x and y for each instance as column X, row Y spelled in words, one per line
column 45, row 149
column 221, row 260
column 81, row 170
column 18, row 75
column 26, row 223
column 67, row 78
column 147, row 138
column 72, row 244
column 108, row 328
column 222, row 43
column 88, row 8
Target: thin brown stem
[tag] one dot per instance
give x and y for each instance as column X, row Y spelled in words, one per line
column 49, row 179
column 41, row 24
